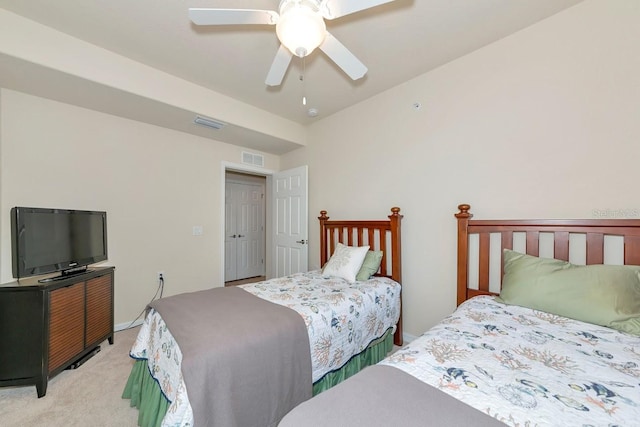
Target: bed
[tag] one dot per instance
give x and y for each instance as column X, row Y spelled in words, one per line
column 282, row 341
column 534, row 340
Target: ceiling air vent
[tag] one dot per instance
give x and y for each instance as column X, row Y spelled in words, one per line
column 252, row 159
column 210, row 123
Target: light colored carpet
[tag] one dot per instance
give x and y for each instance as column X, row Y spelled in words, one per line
column 87, row 396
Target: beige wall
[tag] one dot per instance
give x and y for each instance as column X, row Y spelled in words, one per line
column 154, row 183
column 544, row 123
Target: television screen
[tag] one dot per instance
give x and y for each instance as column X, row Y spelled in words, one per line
column 49, row 240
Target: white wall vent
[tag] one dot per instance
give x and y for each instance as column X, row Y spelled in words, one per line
column 252, row 159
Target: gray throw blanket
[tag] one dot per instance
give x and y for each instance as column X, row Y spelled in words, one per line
column 245, row 360
column 382, row 396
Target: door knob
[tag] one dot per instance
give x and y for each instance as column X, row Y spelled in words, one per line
column 240, row 235
column 233, row 237
column 302, row 242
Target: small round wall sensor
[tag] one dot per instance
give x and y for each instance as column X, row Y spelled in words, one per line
column 312, row 112
column 417, row 106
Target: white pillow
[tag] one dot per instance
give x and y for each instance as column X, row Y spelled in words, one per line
column 345, row 262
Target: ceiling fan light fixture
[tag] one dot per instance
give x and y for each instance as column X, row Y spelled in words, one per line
column 301, row 27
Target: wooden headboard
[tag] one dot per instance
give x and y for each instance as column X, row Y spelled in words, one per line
column 380, row 235
column 559, row 230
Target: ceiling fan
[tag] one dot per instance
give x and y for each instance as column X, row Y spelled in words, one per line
column 300, row 28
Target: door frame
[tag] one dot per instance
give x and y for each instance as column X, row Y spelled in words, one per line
column 268, row 174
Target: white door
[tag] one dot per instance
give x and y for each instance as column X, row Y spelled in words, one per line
column 244, row 230
column 290, row 234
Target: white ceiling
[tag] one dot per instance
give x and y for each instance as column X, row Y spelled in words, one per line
column 396, row 41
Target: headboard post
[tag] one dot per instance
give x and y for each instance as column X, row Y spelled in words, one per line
column 463, row 250
column 396, row 261
column 323, row 238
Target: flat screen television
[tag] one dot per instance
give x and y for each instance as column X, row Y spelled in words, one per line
column 45, row 240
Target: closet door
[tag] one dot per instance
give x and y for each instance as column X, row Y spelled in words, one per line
column 244, row 230
column 250, row 229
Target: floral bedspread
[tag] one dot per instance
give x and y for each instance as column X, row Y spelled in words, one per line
column 529, row 368
column 342, row 319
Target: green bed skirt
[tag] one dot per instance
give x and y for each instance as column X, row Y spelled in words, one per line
column 146, row 395
column 376, row 351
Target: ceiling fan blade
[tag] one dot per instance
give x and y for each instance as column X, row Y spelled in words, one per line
column 279, row 67
column 232, row 16
column 332, row 9
column 343, row 57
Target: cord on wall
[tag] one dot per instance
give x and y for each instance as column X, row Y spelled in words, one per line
column 160, row 285
column 159, row 290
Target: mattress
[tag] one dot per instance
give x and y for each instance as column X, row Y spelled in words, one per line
column 341, row 318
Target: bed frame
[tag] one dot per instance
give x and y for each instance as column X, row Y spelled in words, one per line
column 561, row 229
column 380, row 235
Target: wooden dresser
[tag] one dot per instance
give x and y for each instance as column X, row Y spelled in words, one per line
column 47, row 327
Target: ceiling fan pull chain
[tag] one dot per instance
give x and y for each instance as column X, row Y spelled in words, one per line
column 304, row 98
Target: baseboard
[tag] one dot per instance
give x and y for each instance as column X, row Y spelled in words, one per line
column 407, row 338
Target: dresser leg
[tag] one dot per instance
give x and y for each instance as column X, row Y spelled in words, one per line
column 41, row 387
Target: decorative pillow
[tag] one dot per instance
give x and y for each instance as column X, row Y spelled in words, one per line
column 345, row 262
column 607, row 295
column 370, row 265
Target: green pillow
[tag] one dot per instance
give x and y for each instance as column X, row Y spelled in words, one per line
column 370, row 265
column 607, row 295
